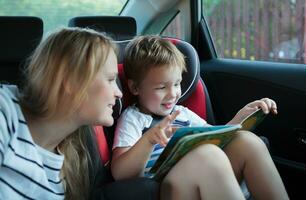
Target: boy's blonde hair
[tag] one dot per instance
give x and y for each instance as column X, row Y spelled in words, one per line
column 146, row 52
column 58, row 76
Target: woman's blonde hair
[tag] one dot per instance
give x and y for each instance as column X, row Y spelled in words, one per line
column 146, row 52
column 57, row 77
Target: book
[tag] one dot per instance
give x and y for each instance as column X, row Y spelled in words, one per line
column 187, row 138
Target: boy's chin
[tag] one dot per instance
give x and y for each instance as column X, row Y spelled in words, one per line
column 164, row 113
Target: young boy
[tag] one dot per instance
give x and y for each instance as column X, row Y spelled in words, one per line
column 153, row 67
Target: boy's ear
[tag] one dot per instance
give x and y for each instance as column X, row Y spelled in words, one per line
column 132, row 87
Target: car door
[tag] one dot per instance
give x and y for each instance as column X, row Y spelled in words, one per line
column 250, row 50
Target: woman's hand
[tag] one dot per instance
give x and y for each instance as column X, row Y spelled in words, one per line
column 267, row 105
column 161, row 132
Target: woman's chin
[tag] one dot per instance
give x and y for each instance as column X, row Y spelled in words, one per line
column 107, row 122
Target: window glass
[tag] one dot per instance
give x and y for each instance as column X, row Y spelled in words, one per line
column 269, row 30
column 175, row 28
column 57, row 13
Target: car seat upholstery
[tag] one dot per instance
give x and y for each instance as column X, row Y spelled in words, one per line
column 18, row 38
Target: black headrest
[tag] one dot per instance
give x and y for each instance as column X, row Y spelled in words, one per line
column 18, row 37
column 117, row 27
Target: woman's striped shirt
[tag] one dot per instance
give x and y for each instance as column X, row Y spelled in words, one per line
column 27, row 171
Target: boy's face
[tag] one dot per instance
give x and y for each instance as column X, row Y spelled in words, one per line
column 160, row 90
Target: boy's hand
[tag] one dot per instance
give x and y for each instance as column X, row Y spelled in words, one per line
column 161, row 132
column 267, row 105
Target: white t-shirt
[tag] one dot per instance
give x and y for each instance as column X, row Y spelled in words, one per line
column 27, row 171
column 132, row 122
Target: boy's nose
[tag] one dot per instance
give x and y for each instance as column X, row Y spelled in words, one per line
column 173, row 92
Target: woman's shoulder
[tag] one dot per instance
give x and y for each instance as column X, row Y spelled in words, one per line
column 9, row 106
column 9, row 92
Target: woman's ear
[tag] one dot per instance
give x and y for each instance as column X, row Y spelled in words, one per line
column 67, row 86
column 132, row 87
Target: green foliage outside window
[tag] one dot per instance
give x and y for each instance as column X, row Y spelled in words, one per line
column 57, row 13
column 269, row 30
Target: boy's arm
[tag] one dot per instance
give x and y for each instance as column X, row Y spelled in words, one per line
column 130, row 162
column 266, row 104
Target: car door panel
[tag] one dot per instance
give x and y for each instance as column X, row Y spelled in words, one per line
column 233, row 83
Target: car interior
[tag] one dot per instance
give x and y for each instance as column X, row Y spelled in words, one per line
column 214, row 87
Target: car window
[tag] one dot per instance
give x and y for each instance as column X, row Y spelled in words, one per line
column 175, row 28
column 56, row 13
column 268, row 30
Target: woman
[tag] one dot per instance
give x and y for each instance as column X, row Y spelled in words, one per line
column 44, row 128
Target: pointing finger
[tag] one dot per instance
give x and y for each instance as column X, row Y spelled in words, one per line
column 167, row 120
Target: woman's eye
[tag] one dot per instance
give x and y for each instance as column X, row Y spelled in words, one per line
column 160, row 88
column 112, row 79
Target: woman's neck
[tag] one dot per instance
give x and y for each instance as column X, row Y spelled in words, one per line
column 50, row 133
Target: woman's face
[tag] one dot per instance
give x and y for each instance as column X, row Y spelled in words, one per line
column 97, row 108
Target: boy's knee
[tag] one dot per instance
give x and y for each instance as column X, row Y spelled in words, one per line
column 251, row 141
column 208, row 151
column 209, row 156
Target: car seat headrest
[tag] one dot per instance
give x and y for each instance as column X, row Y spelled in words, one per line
column 117, row 27
column 19, row 37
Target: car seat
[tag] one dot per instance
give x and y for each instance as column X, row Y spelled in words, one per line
column 18, row 38
column 194, row 93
